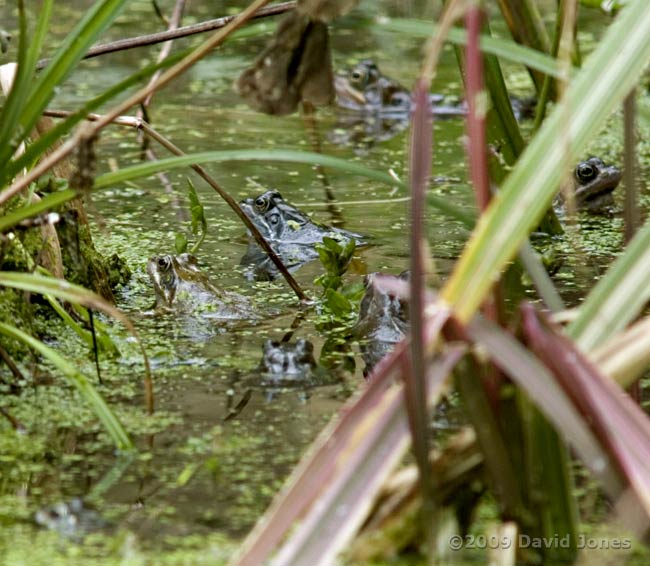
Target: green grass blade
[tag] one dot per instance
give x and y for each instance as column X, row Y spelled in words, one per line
column 64, row 61
column 60, row 289
column 29, row 49
column 16, row 96
column 29, row 211
column 504, row 49
column 306, row 157
column 617, row 298
column 89, row 393
column 290, row 156
column 528, row 191
column 34, row 150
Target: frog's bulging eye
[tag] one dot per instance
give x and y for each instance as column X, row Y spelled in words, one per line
column 164, row 262
column 261, row 204
column 274, row 219
column 585, row 172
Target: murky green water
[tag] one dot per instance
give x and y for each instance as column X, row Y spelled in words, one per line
column 197, row 471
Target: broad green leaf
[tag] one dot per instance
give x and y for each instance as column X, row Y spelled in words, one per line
column 606, row 79
column 180, row 243
column 89, row 393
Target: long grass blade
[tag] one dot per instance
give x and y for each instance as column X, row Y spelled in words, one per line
column 542, row 388
column 528, row 191
column 64, row 61
column 89, row 393
column 31, row 210
column 618, row 296
column 504, row 49
column 35, row 149
column 420, row 149
column 371, row 457
column 67, row 291
column 321, row 465
column 622, row 428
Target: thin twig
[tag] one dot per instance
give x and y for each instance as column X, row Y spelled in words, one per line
column 68, row 146
column 153, row 134
column 11, row 365
column 185, row 31
column 261, row 241
column 173, row 24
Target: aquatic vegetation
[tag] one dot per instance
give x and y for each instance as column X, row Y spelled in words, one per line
column 531, row 388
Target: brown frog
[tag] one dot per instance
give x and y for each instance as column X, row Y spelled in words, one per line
column 594, row 184
column 180, row 285
column 382, row 323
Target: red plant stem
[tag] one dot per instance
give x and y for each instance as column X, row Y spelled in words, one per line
column 477, row 156
column 631, row 207
column 476, row 115
column 414, row 387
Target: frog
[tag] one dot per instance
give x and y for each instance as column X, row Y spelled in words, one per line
column 181, row 286
column 72, row 519
column 292, row 234
column 382, row 322
column 287, row 361
column 373, row 107
column 366, row 88
column 594, row 185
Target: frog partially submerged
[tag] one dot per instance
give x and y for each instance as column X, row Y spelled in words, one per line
column 594, row 185
column 289, row 231
column 382, row 323
column 287, row 361
column 72, row 520
column 365, row 89
column 180, row 285
column 374, row 107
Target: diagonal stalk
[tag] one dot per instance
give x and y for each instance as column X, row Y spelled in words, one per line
column 66, row 148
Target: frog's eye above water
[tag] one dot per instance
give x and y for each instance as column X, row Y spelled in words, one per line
column 164, row 262
column 358, row 75
column 274, row 219
column 261, row 204
column 585, row 172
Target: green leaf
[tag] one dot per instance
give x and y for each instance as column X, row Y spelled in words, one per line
column 198, row 216
column 29, row 47
column 337, row 303
column 180, row 243
column 89, row 393
column 34, row 209
column 290, row 156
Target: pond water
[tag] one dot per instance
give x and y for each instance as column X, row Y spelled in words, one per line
column 203, row 467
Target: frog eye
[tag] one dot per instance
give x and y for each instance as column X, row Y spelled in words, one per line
column 274, row 219
column 164, row 262
column 585, row 172
column 261, row 203
column 358, row 75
